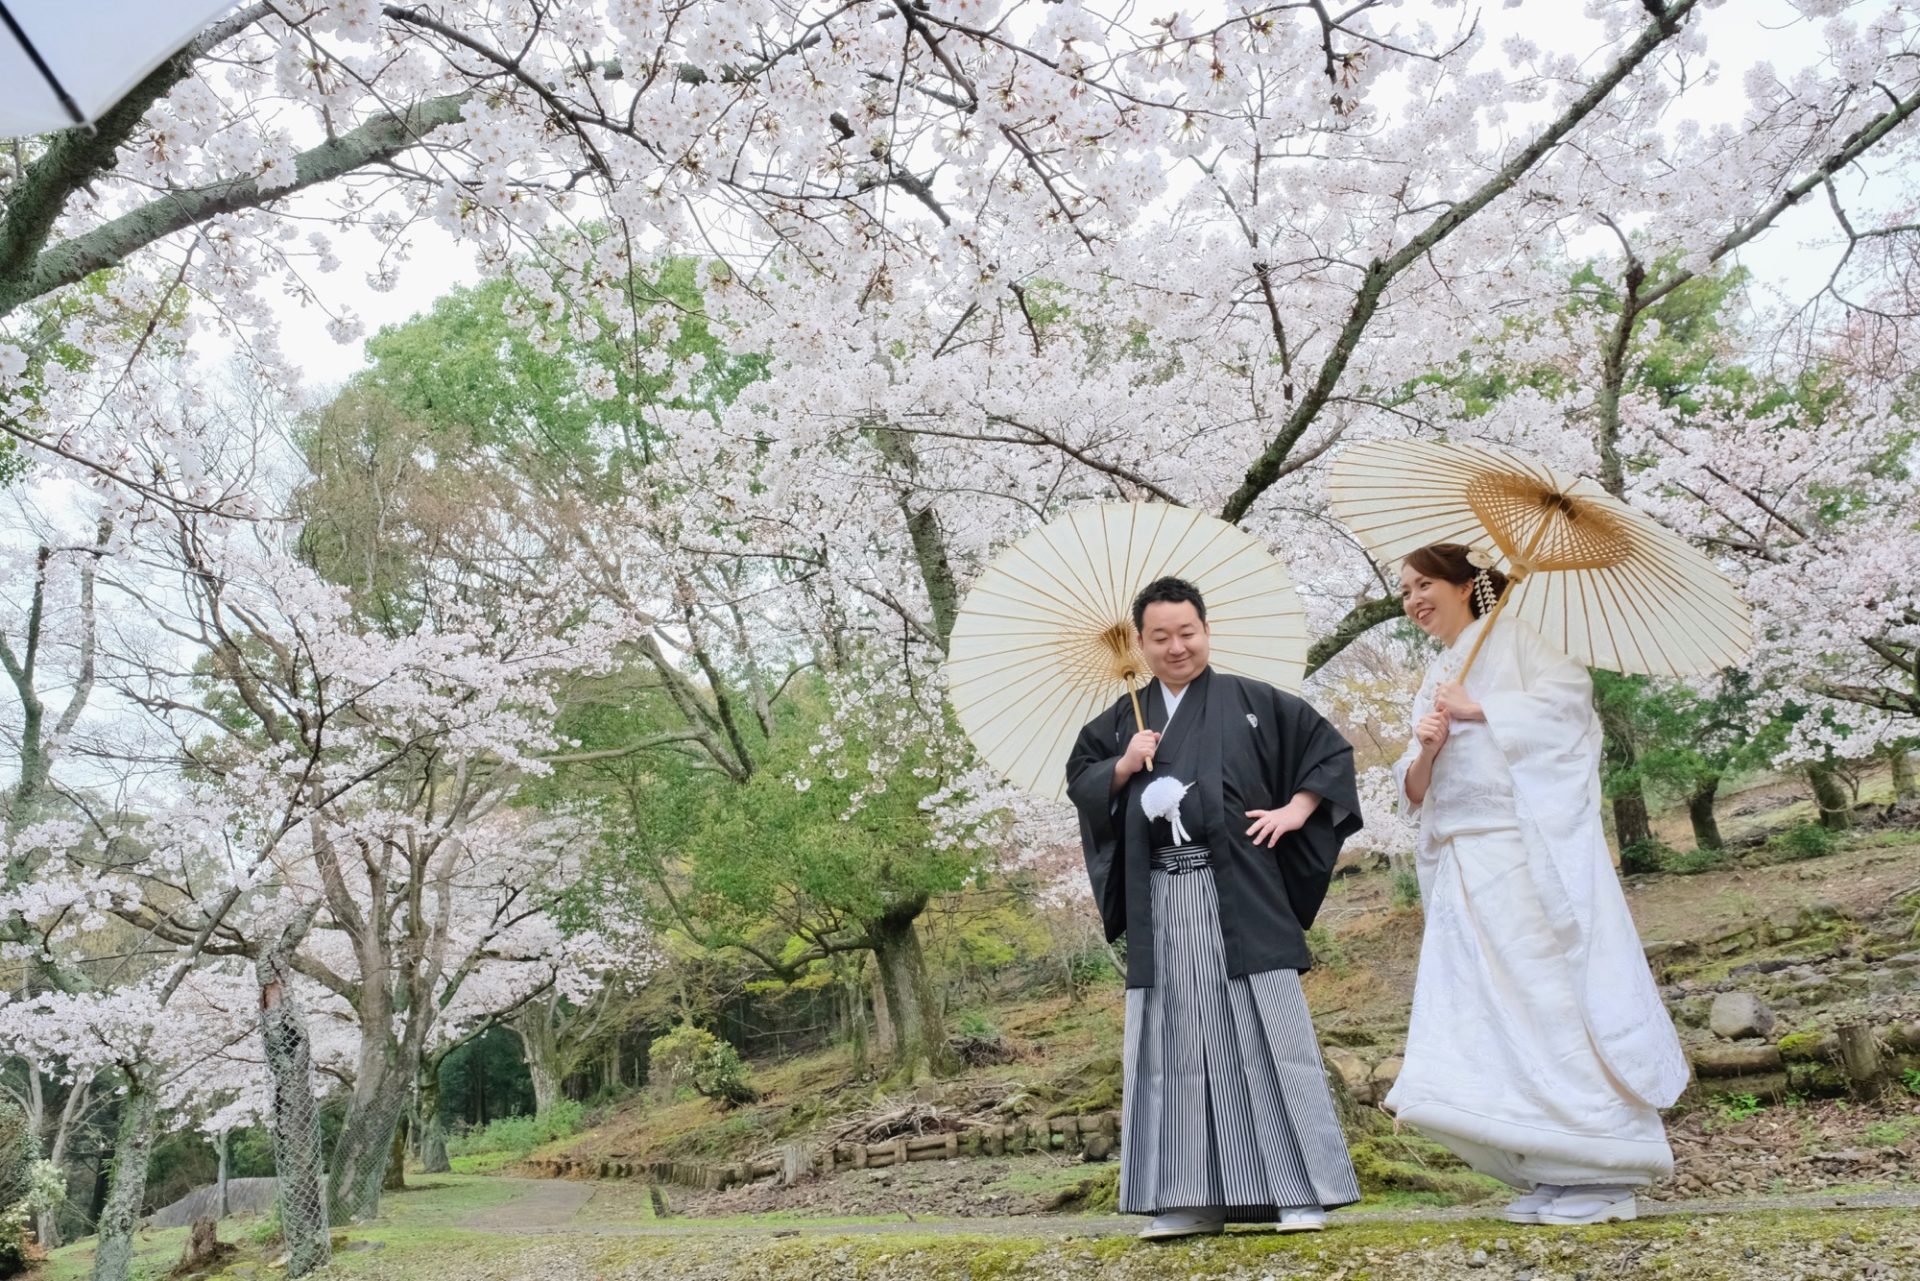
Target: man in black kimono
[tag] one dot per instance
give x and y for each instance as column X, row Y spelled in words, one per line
column 1210, row 838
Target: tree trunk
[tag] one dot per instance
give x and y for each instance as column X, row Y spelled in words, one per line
column 1630, row 822
column 919, row 1045
column 396, row 1176
column 882, row 1016
column 1706, row 828
column 1860, row 1055
column 206, row 1253
column 433, row 1131
column 221, row 1207
column 127, row 1187
column 534, row 1024
column 293, row 1116
column 47, row 1225
column 360, row 1154
column 1836, row 803
column 1904, row 788
column 856, row 1016
column 546, row 1087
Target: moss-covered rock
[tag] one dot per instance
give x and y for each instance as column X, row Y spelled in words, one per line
column 1806, row 1044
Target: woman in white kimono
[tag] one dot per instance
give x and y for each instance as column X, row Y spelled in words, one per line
column 1539, row 1050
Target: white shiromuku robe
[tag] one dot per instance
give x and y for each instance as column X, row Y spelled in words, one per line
column 1539, row 1050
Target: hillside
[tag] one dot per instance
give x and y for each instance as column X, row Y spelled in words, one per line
column 1822, row 932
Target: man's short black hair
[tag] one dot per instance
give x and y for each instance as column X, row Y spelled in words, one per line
column 1166, row 591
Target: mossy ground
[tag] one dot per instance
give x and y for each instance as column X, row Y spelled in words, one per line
column 465, row 1229
column 1709, row 1249
column 430, row 1216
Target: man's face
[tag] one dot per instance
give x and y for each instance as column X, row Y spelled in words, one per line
column 1174, row 641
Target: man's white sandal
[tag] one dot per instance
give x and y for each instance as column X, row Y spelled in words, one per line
column 1175, row 1224
column 1306, row 1218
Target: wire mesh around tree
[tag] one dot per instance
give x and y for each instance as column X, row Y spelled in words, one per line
column 294, row 1117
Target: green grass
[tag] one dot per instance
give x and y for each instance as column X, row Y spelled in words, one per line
column 483, row 1162
column 1684, row 1247
column 1041, row 1178
column 427, row 1216
column 154, row 1254
column 1891, row 1133
column 517, row 1136
column 423, row 1235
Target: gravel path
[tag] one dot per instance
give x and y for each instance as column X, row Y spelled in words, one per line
column 552, row 1206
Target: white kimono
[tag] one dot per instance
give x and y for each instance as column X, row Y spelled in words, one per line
column 1539, row 1049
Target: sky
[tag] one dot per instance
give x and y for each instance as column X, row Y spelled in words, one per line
column 1740, row 34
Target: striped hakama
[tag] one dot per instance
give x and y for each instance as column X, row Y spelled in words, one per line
column 1226, row 1100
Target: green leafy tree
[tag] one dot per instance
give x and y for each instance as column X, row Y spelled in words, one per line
column 475, row 418
column 790, row 867
column 1688, row 741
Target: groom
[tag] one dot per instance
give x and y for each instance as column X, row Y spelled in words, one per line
column 1210, row 837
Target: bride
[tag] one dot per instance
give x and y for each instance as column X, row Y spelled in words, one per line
column 1539, row 1050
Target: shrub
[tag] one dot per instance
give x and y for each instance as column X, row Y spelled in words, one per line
column 16, row 1153
column 1694, row 862
column 1328, row 950
column 691, row 1055
column 1092, row 965
column 519, row 1135
column 13, row 1240
column 978, row 1042
column 17, row 1168
column 976, row 1026
column 1803, row 841
column 1406, row 889
column 1645, row 856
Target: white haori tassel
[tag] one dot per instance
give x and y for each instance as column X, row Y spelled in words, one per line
column 1161, row 799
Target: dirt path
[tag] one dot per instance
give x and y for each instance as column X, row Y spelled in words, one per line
column 551, row 1206
column 543, row 1205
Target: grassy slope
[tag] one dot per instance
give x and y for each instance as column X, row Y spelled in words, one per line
column 1359, row 994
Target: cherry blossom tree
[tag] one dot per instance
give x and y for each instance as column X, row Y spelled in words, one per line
column 991, row 258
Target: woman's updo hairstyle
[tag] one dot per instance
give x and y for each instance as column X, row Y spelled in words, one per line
column 1450, row 563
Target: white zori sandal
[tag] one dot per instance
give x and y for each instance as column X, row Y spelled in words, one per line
column 1527, row 1209
column 1578, row 1207
column 1203, row 1222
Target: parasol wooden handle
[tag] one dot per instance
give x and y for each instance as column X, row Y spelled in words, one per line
column 1513, row 580
column 1138, row 719
column 1481, row 639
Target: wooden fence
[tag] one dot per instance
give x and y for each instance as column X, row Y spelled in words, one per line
column 1096, row 1137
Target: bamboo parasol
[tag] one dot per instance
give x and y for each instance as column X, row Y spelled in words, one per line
column 1609, row 585
column 1045, row 640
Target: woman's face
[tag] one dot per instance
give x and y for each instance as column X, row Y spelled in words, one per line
column 1439, row 608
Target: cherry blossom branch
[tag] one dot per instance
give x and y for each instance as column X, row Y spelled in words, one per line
column 1359, row 620
column 79, row 256
column 75, row 157
column 1382, row 271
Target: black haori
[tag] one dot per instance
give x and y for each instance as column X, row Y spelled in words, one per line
column 1247, row 746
